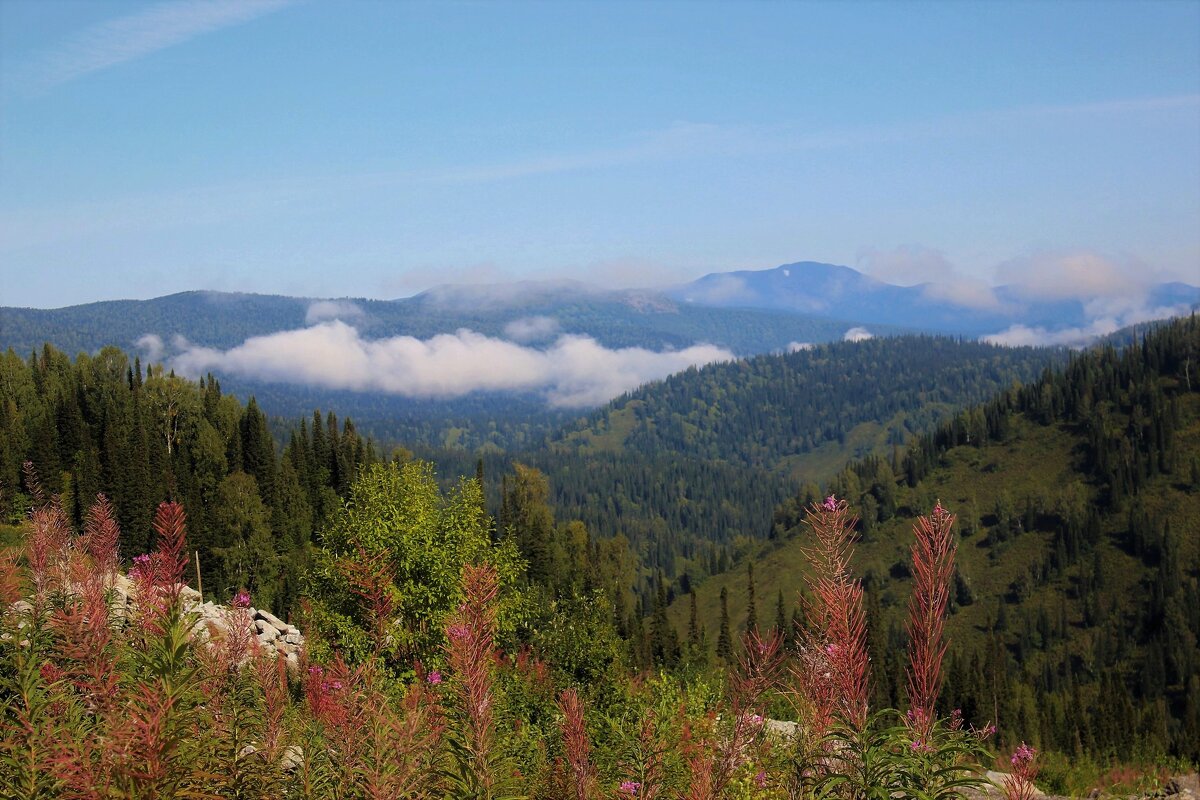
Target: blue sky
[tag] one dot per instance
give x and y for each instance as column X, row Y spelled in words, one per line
column 376, row 149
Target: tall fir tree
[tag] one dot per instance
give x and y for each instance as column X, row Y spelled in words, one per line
column 751, row 606
column 724, row 638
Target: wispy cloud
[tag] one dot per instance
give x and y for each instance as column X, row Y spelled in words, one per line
column 574, row 371
column 136, row 35
column 190, row 207
column 912, row 265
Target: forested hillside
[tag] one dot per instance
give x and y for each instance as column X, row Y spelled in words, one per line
column 1076, row 613
column 761, row 428
column 772, row 410
column 101, row 424
column 690, row 469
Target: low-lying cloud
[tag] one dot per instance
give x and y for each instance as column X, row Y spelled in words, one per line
column 1080, row 336
column 531, row 329
column 575, row 371
column 857, row 334
column 151, row 346
column 323, row 310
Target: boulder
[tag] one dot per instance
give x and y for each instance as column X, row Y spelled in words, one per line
column 275, row 621
column 266, row 631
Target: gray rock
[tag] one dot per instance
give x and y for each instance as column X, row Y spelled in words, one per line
column 294, row 638
column 266, row 631
column 781, row 728
column 998, row 778
column 275, row 621
column 292, row 758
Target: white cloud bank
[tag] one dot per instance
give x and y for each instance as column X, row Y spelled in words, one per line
column 1114, row 292
column 575, row 371
column 1024, row 336
column 858, row 334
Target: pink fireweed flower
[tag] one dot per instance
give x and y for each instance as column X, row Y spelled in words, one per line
column 434, row 677
column 760, row 779
column 831, row 503
column 1023, row 755
column 241, row 599
column 140, row 566
column 458, row 632
column 630, row 787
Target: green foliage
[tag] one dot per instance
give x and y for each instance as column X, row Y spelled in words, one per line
column 98, row 425
column 887, row 760
column 1074, row 624
column 398, row 512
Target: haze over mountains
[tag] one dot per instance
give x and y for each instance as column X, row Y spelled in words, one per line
column 575, row 344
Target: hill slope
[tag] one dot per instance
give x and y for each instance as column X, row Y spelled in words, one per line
column 689, row 469
column 1077, row 609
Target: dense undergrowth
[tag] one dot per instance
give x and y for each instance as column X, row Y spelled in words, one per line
column 438, row 697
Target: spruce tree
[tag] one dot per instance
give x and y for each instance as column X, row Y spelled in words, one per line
column 693, row 623
column 751, row 607
column 724, row 640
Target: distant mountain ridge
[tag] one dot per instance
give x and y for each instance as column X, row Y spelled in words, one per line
column 829, row 290
column 615, row 318
column 746, row 311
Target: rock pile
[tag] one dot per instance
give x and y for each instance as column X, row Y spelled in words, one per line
column 274, row 635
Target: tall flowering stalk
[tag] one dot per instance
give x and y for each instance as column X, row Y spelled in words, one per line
column 471, row 653
column 101, row 536
column 713, row 765
column 837, row 645
column 577, row 746
column 158, row 576
column 47, row 551
column 933, row 569
column 372, row 578
column 1019, row 783
column 371, row 748
column 85, row 641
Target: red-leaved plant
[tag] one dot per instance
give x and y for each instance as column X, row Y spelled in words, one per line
column 834, row 676
column 933, row 569
column 577, row 746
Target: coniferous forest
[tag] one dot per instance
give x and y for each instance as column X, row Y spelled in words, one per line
column 473, row 629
